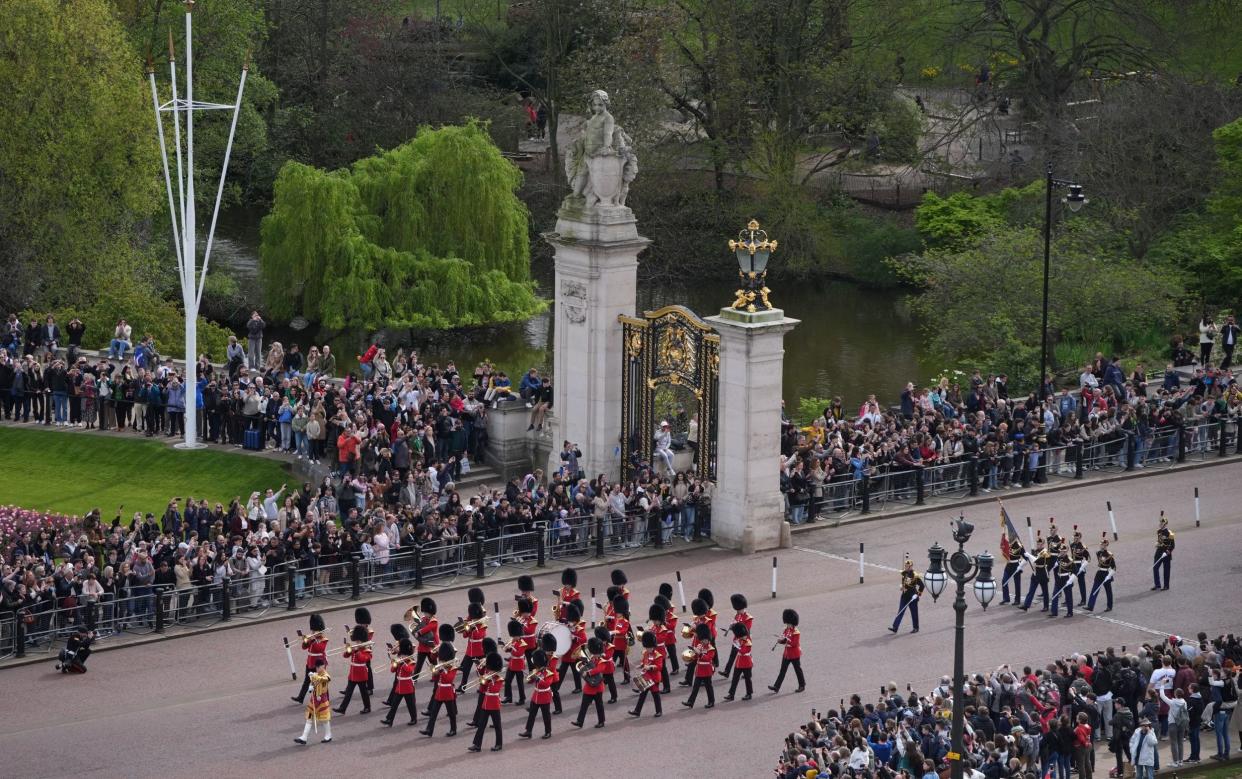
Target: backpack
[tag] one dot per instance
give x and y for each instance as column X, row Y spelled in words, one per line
column 1182, row 717
column 1229, row 693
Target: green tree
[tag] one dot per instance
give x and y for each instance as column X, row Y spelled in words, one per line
column 429, row 235
column 79, row 158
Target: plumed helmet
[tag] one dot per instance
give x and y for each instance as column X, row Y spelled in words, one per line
column 789, row 617
column 573, row 612
column 399, row 631
column 656, row 613
column 474, row 610
column 525, row 606
column 445, row 652
column 569, row 577
column 738, row 600
column 362, row 616
column 358, row 634
column 667, row 604
column 526, row 583
column 698, row 607
column 595, row 646
column 490, row 645
column 446, row 632
column 475, row 595
column 602, row 634
column 649, row 640
column 427, row 606
column 548, row 642
column 515, row 628
column 621, row 605
column 666, row 590
column 618, row 577
column 405, row 646
column 739, row 629
column 539, row 658
column 702, row 632
column 494, row 662
column 316, row 623
column 706, row 596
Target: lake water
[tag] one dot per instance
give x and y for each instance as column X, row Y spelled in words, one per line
column 852, row 340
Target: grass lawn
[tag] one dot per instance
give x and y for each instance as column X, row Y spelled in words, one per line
column 1209, row 769
column 72, row 473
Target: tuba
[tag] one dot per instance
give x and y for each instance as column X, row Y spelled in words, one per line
column 687, row 630
column 689, row 655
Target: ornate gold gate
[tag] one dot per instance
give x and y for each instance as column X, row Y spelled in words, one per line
column 669, row 353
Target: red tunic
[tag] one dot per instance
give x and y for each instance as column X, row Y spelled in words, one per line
column 534, row 602
column 670, row 624
column 429, row 627
column 744, row 647
column 491, row 692
column 746, row 619
column 703, row 665
column 652, row 662
column 405, row 676
column 580, row 639
column 444, row 685
column 620, row 633
column 474, row 641
column 517, row 654
column 600, row 668
column 543, row 687
column 358, row 659
column 568, row 595
column 315, row 649
column 711, row 622
column 793, row 643
column 530, row 626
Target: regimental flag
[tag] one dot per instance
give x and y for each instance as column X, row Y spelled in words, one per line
column 1009, row 533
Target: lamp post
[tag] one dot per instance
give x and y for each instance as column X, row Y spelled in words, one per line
column 1075, row 200
column 962, row 569
column 753, row 248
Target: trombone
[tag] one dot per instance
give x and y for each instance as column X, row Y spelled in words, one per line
column 349, row 648
column 464, row 626
column 432, row 670
column 479, row 679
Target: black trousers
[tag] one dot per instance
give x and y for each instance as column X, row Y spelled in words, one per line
column 797, row 666
column 1039, row 581
column 655, row 697
column 908, row 603
column 547, row 717
column 611, row 684
column 1012, row 575
column 670, row 651
column 702, row 683
column 664, row 680
column 729, row 663
column 742, row 673
column 418, row 663
column 349, row 693
column 305, row 685
column 478, row 710
column 1158, row 565
column 484, row 718
column 587, row 700
column 1099, row 584
column 521, row 685
column 467, row 665
column 450, row 707
column 396, row 704
column 1082, row 588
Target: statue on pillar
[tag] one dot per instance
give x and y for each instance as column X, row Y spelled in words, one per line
column 600, row 163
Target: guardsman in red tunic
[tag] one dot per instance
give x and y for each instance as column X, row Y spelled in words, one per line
column 402, row 667
column 363, row 617
column 669, row 639
column 490, row 684
column 489, row 647
column 604, row 636
column 358, row 654
column 445, row 694
column 740, row 617
column 609, row 613
column 515, row 649
column 319, row 708
column 547, row 644
column 541, row 696
column 316, row 646
column 619, row 580
column 567, row 594
column 475, row 630
column 651, row 669
column 621, row 636
column 742, row 648
column 526, row 589
column 704, row 652
column 706, row 596
column 426, row 633
column 526, row 615
column 699, row 608
column 596, row 668
column 792, row 655
column 578, row 631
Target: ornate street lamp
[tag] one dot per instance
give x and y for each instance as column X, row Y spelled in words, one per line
column 962, row 569
column 753, row 249
column 1075, row 200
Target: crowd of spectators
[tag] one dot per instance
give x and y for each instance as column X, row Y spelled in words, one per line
column 1017, row 440
column 1152, row 705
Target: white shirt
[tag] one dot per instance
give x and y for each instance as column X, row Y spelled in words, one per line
column 1162, row 678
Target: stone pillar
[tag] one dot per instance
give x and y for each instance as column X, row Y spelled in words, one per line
column 596, row 281
column 748, row 510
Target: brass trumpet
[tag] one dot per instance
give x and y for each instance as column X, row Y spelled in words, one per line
column 530, row 677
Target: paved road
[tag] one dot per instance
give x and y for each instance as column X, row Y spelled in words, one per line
column 218, row 704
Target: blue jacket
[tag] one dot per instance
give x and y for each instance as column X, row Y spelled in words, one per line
column 176, row 397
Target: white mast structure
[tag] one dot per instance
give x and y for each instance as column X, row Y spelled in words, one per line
column 182, row 209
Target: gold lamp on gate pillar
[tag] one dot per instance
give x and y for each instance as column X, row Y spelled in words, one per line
column 753, row 249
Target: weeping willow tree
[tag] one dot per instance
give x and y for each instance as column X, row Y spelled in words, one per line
column 429, row 235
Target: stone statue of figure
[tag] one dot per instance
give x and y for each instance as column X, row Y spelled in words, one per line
column 600, row 163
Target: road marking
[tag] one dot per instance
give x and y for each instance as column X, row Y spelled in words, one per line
column 843, row 558
column 1133, row 626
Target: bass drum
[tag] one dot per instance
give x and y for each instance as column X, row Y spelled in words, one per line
column 563, row 635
